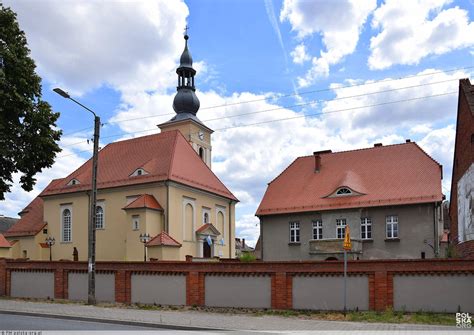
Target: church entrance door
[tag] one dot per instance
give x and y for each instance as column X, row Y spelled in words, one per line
column 206, row 250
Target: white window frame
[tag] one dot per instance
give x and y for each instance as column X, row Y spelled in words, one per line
column 341, row 227
column 101, row 205
column 135, row 222
column 294, row 232
column 340, row 190
column 366, row 228
column 317, row 229
column 392, row 230
column 62, row 210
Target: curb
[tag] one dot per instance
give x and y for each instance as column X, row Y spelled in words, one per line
column 112, row 321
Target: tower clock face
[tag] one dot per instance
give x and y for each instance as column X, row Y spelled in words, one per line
column 201, row 135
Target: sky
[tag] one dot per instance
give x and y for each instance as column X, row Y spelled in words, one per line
column 276, row 79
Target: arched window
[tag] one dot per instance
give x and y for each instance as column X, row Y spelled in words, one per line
column 99, row 217
column 220, row 223
column 206, row 217
column 188, row 222
column 201, row 153
column 343, row 191
column 66, row 225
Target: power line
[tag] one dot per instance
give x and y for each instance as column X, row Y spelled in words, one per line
column 292, row 94
column 291, row 118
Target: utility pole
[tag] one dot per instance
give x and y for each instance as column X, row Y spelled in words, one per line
column 93, row 201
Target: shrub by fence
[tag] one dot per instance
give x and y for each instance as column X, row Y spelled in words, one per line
column 410, row 285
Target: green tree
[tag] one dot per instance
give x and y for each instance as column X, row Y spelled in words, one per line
column 27, row 123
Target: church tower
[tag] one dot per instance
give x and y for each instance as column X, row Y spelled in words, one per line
column 186, row 105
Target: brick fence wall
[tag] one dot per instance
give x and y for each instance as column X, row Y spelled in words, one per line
column 380, row 275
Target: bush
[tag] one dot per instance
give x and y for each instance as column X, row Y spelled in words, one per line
column 247, row 257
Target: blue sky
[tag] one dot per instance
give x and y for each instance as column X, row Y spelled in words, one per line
column 119, row 58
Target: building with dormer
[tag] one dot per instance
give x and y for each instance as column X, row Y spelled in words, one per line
column 161, row 185
column 389, row 196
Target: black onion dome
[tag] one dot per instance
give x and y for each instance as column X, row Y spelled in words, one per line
column 186, row 101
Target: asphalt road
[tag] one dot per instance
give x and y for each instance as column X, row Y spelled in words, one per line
column 26, row 322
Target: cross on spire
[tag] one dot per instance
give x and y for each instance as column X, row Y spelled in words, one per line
column 186, row 30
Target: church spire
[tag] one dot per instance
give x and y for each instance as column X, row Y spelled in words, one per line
column 186, row 100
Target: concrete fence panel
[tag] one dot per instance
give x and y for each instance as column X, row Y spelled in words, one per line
column 434, row 293
column 104, row 286
column 327, row 292
column 238, row 291
column 32, row 284
column 160, row 289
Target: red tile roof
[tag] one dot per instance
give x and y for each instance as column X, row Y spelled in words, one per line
column 164, row 156
column 145, row 201
column 4, row 243
column 31, row 221
column 208, row 226
column 384, row 175
column 163, row 239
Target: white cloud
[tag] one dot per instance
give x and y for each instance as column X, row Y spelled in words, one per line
column 416, row 30
column 249, row 229
column 299, row 54
column 338, row 22
column 130, row 45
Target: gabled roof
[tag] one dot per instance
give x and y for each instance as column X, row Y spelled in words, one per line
column 165, row 156
column 4, row 243
column 385, row 175
column 163, row 239
column 145, row 201
column 31, row 221
column 209, row 228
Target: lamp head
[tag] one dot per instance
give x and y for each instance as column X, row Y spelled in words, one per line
column 61, row 93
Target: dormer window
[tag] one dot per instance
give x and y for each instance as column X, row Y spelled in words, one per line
column 343, row 191
column 138, row 172
column 73, row 182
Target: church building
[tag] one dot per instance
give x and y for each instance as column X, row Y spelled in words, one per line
column 159, row 185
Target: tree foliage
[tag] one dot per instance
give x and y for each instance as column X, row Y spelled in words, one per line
column 27, row 123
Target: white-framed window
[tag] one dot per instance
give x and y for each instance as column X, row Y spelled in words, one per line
column 366, row 228
column 136, row 222
column 343, row 191
column 294, row 232
column 66, row 225
column 392, row 226
column 221, row 222
column 317, row 230
column 99, row 216
column 138, row 172
column 73, row 181
column 340, row 228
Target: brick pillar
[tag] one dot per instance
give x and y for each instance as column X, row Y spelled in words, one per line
column 390, row 290
column 8, row 282
column 381, row 291
column 371, row 292
column 195, row 289
column 3, row 277
column 281, row 288
column 59, row 284
column 123, row 286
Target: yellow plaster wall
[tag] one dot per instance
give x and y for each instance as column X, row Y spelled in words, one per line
column 6, row 252
column 117, row 237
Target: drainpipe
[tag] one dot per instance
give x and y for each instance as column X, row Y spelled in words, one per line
column 436, row 237
column 230, row 229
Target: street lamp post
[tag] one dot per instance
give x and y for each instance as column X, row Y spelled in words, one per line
column 93, row 201
column 50, row 242
column 144, row 238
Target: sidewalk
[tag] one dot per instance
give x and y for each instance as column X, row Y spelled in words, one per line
column 200, row 319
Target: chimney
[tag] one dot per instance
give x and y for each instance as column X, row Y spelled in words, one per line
column 377, row 144
column 407, row 140
column 243, row 243
column 317, row 159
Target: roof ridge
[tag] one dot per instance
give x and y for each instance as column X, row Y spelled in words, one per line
column 361, row 149
column 170, row 168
